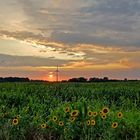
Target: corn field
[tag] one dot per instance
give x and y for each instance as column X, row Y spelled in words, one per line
column 70, row 111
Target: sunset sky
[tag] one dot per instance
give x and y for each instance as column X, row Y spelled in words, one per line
column 90, row 38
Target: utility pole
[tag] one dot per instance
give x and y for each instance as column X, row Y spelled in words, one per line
column 57, row 74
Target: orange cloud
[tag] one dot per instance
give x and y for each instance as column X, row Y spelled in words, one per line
column 86, row 56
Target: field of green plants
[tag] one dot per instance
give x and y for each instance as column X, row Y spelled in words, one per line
column 70, row 111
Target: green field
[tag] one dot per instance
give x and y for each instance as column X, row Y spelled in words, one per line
column 70, row 111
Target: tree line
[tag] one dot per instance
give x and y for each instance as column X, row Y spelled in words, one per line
column 80, row 79
column 93, row 79
column 14, row 79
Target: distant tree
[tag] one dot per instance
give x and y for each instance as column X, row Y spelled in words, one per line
column 73, row 80
column 80, row 79
column 64, row 81
column 105, row 79
column 94, row 79
column 14, row 79
column 125, row 79
column 39, row 81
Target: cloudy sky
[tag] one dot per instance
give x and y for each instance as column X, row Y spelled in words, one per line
column 90, row 38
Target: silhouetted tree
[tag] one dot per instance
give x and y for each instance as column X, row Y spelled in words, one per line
column 105, row 79
column 80, row 79
column 64, row 81
column 73, row 80
column 125, row 79
column 94, row 79
column 14, row 79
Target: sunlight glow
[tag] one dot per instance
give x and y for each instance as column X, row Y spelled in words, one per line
column 50, row 76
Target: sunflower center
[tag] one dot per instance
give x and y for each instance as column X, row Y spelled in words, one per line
column 74, row 113
column 105, row 110
column 15, row 121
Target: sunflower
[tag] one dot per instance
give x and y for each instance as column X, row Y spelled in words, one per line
column 95, row 114
column 90, row 113
column 114, row 125
column 4, row 115
column 72, row 119
column 105, row 110
column 61, row 123
column 92, row 122
column 67, row 109
column 120, row 115
column 43, row 125
column 74, row 113
column 101, row 113
column 54, row 118
column 88, row 122
column 15, row 121
column 103, row 116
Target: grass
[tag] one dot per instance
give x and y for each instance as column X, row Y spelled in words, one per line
column 33, row 107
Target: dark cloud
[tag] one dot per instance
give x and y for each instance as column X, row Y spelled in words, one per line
column 21, row 35
column 107, row 39
column 80, row 21
column 114, row 7
column 9, row 60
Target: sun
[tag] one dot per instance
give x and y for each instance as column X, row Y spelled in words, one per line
column 50, row 75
